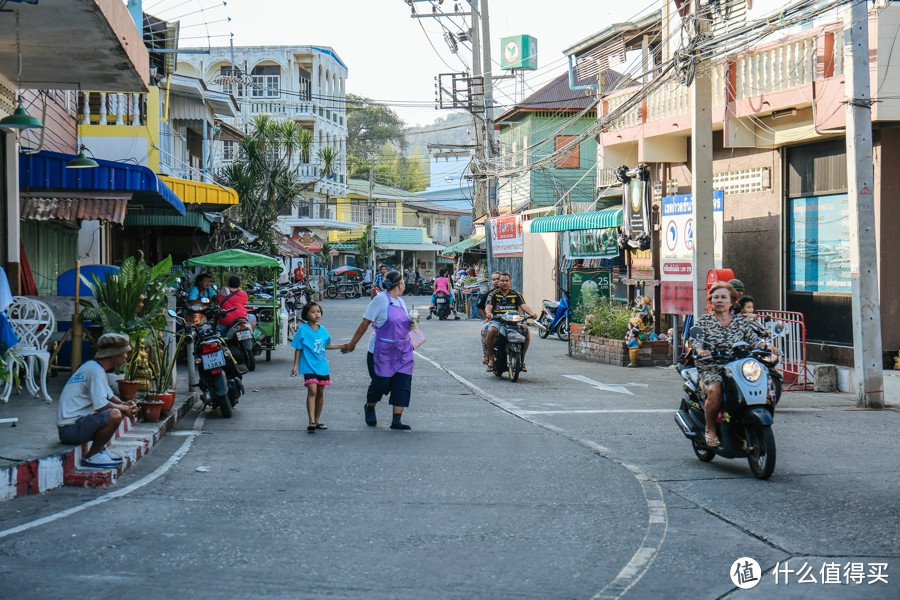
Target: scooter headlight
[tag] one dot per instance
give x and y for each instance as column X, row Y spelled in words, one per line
column 751, row 370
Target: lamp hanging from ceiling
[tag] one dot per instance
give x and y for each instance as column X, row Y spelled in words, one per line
column 82, row 161
column 20, row 119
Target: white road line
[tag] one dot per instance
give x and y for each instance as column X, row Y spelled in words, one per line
column 161, row 470
column 657, row 522
column 592, row 411
column 601, row 386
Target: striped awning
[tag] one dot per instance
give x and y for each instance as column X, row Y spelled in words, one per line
column 610, row 217
column 75, row 209
column 192, row 220
column 460, row 247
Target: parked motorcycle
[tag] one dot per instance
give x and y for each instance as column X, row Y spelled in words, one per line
column 744, row 426
column 349, row 289
column 509, row 352
column 241, row 342
column 219, row 378
column 555, row 318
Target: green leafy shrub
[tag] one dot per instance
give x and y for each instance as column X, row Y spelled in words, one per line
column 603, row 317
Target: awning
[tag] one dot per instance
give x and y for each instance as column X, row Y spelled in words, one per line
column 44, row 174
column 460, row 247
column 233, row 258
column 411, row 247
column 111, row 209
column 207, row 196
column 194, row 220
column 610, row 217
column 290, row 248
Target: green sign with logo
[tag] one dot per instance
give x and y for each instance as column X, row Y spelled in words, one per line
column 588, row 283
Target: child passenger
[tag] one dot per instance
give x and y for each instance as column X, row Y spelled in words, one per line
column 310, row 343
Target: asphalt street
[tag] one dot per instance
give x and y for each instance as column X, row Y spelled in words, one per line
column 573, row 482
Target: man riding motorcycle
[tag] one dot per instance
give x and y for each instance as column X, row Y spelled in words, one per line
column 502, row 300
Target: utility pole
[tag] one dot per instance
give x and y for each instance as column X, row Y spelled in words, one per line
column 702, row 181
column 490, row 192
column 867, row 359
column 371, row 206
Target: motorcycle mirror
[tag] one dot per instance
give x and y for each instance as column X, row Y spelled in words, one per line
column 215, row 287
column 779, row 327
column 204, row 300
column 171, row 312
column 696, row 331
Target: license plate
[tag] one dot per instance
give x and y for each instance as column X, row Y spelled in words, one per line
column 244, row 334
column 213, row 359
column 442, row 301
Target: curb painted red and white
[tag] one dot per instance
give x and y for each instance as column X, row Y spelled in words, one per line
column 131, row 442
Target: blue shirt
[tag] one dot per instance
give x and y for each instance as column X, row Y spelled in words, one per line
column 311, row 344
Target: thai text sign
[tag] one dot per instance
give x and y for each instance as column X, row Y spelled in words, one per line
column 506, row 236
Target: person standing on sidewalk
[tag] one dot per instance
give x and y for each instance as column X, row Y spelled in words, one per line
column 390, row 357
column 88, row 410
column 309, row 344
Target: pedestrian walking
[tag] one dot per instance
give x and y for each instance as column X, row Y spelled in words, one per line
column 390, row 357
column 309, row 344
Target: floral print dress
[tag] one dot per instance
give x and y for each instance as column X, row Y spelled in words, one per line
column 719, row 337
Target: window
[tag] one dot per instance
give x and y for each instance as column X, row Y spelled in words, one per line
column 266, row 81
column 305, row 88
column 571, row 160
column 231, row 81
column 427, row 222
column 387, row 215
column 453, row 233
column 359, row 212
column 228, row 151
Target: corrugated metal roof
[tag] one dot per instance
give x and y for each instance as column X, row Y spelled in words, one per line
column 208, row 195
column 74, row 209
column 555, row 96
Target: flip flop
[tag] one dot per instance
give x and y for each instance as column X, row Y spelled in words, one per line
column 311, row 428
column 321, row 426
column 712, row 441
column 490, row 368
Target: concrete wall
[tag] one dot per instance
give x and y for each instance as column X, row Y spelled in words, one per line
column 539, row 258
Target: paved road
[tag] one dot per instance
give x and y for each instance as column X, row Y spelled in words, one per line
column 572, row 483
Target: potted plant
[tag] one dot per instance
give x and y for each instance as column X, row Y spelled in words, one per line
column 163, row 354
column 131, row 302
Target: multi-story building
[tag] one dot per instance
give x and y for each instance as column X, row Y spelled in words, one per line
column 306, row 84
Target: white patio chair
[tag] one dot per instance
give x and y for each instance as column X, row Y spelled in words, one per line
column 34, row 323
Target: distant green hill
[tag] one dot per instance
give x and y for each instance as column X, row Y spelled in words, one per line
column 455, row 128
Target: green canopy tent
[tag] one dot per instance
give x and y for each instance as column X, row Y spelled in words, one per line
column 269, row 325
column 233, row 258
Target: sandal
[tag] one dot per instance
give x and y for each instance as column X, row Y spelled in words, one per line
column 490, row 368
column 524, row 369
column 712, row 441
column 321, row 426
column 311, row 428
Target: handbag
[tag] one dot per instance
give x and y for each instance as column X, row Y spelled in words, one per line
column 416, row 337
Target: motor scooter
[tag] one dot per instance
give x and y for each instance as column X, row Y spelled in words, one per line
column 509, row 352
column 555, row 317
column 744, row 425
column 442, row 305
column 217, row 373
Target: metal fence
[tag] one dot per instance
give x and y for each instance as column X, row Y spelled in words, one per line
column 792, row 345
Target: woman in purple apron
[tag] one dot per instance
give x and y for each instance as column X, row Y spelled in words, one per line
column 390, row 357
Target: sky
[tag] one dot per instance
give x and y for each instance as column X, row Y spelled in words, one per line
column 391, row 57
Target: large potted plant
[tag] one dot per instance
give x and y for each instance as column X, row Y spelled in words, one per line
column 163, row 354
column 131, row 302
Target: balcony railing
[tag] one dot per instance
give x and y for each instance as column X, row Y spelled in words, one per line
column 308, row 111
column 769, row 70
column 112, row 108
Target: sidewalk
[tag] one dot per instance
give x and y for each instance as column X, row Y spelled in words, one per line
column 32, row 459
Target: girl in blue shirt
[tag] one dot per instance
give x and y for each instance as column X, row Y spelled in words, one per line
column 309, row 344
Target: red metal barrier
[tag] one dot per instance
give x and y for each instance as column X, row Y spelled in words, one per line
column 792, row 345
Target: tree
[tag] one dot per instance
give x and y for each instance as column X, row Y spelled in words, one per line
column 396, row 170
column 363, row 248
column 267, row 179
column 370, row 126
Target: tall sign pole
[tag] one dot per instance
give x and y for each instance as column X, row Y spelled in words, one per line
column 867, row 359
column 700, row 228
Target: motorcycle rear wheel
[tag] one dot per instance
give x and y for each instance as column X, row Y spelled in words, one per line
column 331, row 292
column 762, row 458
column 545, row 330
column 562, row 329
column 250, row 359
column 702, row 452
column 224, row 405
column 351, row 291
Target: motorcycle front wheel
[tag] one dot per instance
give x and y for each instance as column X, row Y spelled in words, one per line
column 545, row 330
column 562, row 329
column 351, row 291
column 762, row 458
column 331, row 292
column 514, row 365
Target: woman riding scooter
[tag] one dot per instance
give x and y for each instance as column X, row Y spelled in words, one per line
column 442, row 285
